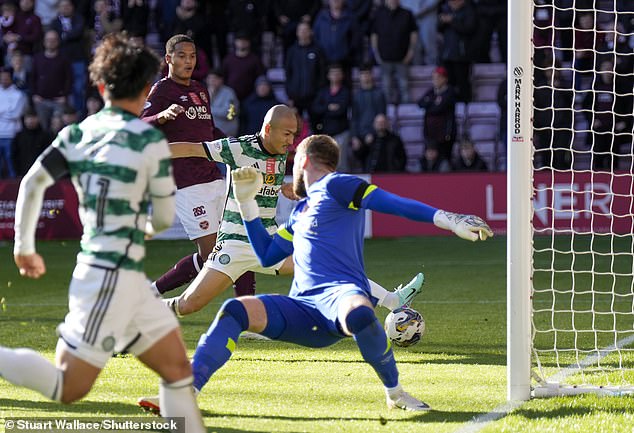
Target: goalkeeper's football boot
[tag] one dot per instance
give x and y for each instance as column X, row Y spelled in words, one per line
column 402, row 400
column 406, row 293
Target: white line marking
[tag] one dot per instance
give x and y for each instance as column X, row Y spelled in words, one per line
column 481, row 421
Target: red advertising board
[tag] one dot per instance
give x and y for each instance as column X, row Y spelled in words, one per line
column 58, row 219
column 583, row 201
column 473, row 193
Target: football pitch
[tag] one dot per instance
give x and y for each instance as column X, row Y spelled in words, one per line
column 459, row 368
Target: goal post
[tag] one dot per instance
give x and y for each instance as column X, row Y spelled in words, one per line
column 519, row 190
column 570, row 199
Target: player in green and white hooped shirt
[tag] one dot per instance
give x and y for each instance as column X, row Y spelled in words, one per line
column 118, row 164
column 233, row 255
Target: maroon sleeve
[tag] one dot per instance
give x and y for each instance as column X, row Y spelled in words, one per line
column 154, row 105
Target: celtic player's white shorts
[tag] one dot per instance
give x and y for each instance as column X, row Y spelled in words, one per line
column 234, row 258
column 199, row 208
column 112, row 311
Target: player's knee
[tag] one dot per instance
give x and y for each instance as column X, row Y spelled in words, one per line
column 359, row 318
column 176, row 370
column 74, row 391
column 237, row 310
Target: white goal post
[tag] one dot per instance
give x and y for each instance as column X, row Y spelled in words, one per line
column 570, row 199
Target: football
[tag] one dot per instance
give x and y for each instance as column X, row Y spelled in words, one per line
column 404, row 326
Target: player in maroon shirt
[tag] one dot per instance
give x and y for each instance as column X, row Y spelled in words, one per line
column 179, row 106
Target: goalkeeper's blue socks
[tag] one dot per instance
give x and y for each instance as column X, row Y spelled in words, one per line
column 373, row 344
column 218, row 343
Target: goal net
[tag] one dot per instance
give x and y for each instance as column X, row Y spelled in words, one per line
column 573, row 109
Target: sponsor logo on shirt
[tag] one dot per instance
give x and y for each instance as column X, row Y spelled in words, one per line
column 269, row 179
column 269, row 191
column 199, row 211
column 199, row 112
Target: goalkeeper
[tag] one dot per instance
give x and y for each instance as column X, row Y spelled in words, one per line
column 330, row 296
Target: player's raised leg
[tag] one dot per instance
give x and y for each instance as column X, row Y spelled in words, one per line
column 357, row 318
column 402, row 295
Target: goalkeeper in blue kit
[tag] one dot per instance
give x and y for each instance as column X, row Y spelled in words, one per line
column 330, row 296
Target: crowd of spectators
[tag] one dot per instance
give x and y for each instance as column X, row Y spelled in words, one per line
column 46, row 46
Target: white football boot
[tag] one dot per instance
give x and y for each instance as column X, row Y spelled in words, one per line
column 406, row 293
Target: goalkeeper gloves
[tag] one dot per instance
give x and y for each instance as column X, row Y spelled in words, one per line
column 469, row 227
column 246, row 181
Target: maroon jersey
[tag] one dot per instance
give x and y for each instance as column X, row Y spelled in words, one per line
column 194, row 125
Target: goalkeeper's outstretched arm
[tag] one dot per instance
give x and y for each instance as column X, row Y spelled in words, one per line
column 469, row 227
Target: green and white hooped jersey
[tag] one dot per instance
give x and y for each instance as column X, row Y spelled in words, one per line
column 248, row 151
column 117, row 164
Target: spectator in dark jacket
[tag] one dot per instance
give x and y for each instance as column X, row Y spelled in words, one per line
column 335, row 31
column 432, row 161
column 368, row 102
column 439, row 120
column 330, row 111
column 289, row 13
column 29, row 143
column 305, row 70
column 492, row 17
column 458, row 26
column 241, row 68
column 70, row 26
column 607, row 119
column 552, row 120
column 29, row 27
column 255, row 106
column 247, row 17
column 51, row 79
column 190, row 21
column 468, row 158
column 393, row 39
column 385, row 149
column 135, row 14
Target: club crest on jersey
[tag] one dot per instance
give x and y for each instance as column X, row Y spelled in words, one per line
column 195, row 99
column 204, row 225
column 203, row 97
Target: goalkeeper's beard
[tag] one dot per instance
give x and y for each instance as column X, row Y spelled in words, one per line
column 299, row 187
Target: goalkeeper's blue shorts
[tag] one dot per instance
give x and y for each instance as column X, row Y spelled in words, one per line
column 309, row 319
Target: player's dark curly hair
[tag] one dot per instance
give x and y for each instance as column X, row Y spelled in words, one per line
column 321, row 149
column 171, row 43
column 123, row 66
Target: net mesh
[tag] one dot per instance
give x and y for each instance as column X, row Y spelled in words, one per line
column 583, row 247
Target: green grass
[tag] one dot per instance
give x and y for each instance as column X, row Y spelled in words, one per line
column 459, row 368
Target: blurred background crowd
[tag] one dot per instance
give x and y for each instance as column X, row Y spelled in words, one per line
column 402, row 85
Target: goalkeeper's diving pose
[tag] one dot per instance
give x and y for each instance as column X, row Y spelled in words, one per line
column 330, row 296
